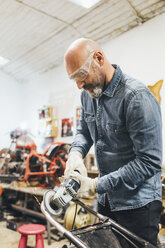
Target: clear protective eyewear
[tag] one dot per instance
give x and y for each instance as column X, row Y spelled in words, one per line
column 82, row 72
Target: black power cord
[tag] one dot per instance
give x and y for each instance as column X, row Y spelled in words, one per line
column 74, row 217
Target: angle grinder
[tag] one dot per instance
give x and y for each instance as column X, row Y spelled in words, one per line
column 56, row 199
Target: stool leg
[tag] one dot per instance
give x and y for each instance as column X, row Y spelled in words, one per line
column 39, row 241
column 23, row 241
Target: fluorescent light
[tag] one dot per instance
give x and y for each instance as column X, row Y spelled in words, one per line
column 3, row 61
column 85, row 3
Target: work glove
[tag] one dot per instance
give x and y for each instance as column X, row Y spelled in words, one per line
column 75, row 163
column 87, row 185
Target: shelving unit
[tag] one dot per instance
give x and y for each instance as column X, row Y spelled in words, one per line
column 48, row 124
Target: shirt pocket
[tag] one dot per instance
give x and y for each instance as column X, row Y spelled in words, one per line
column 118, row 137
column 90, row 120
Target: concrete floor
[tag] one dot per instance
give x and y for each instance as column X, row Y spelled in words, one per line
column 10, row 239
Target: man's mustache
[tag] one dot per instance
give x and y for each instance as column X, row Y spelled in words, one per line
column 91, row 86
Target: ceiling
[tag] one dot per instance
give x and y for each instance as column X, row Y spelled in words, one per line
column 36, row 33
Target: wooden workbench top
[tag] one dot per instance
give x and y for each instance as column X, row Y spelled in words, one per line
column 30, row 190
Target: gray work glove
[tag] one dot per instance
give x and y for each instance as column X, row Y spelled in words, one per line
column 75, row 162
column 87, row 185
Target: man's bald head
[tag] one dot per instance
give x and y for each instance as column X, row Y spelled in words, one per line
column 78, row 52
column 85, row 44
column 86, row 64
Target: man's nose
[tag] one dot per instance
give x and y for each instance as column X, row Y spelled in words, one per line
column 80, row 84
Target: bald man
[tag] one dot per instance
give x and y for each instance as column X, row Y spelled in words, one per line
column 122, row 118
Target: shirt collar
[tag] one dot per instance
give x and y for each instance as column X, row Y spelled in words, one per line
column 110, row 90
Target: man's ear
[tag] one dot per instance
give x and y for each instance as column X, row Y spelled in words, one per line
column 99, row 58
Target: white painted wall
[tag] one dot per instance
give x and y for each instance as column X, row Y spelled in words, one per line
column 139, row 52
column 55, row 89
column 10, row 107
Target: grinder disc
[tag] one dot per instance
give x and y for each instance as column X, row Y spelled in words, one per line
column 50, row 207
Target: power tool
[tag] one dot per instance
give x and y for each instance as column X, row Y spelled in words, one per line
column 56, row 200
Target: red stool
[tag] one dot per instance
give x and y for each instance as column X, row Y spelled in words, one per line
column 31, row 229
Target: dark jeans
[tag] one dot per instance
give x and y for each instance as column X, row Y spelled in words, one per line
column 141, row 221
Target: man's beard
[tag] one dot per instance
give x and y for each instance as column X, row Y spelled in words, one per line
column 94, row 90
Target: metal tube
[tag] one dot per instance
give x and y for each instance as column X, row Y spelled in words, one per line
column 100, row 216
column 28, row 211
column 62, row 230
column 48, row 232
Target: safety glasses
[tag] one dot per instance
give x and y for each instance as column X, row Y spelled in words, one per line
column 82, row 72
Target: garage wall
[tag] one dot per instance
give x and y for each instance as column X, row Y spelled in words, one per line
column 139, row 52
column 10, row 108
column 51, row 89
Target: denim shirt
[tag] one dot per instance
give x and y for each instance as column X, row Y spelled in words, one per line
column 124, row 125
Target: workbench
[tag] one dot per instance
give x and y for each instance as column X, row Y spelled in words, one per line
column 29, row 190
column 34, row 191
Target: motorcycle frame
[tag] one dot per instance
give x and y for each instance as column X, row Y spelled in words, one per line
column 43, row 158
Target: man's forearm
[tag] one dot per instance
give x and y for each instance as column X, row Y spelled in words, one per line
column 81, row 144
